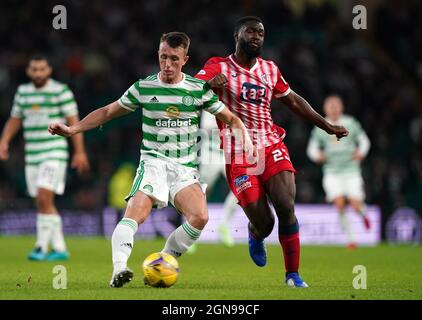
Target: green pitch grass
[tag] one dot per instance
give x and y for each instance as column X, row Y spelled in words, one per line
column 213, row 272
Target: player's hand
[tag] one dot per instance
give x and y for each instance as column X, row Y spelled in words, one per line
column 251, row 152
column 80, row 162
column 4, row 151
column 218, row 81
column 338, row 131
column 60, row 129
column 357, row 156
column 321, row 157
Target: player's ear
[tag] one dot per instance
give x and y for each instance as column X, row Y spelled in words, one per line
column 235, row 36
column 185, row 59
column 49, row 70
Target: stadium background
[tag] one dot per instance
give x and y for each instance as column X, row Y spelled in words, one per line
column 109, row 45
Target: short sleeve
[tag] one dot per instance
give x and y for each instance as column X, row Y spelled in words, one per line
column 210, row 101
column 130, row 99
column 209, row 71
column 16, row 108
column 67, row 103
column 281, row 88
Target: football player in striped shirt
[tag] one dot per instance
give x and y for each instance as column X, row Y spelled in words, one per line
column 171, row 102
column 37, row 104
column 246, row 84
column 342, row 174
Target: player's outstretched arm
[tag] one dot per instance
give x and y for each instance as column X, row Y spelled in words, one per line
column 301, row 107
column 11, row 127
column 92, row 120
column 239, row 130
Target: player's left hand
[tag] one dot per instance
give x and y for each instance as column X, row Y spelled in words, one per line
column 80, row 162
column 339, row 131
column 218, row 81
column 358, row 156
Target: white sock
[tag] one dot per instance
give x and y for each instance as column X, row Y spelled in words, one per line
column 45, row 224
column 122, row 242
column 181, row 239
column 57, row 238
column 230, row 207
column 347, row 228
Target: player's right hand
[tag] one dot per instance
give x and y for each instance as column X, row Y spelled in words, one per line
column 321, row 157
column 4, row 151
column 339, row 131
column 60, row 129
column 218, row 81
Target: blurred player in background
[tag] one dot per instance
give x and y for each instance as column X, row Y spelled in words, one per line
column 171, row 102
column 341, row 160
column 36, row 105
column 212, row 169
column 247, row 84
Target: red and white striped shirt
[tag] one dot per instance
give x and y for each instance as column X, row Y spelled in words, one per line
column 248, row 95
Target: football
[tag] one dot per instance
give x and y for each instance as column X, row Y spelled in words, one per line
column 161, row 270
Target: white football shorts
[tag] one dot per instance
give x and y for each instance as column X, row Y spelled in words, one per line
column 349, row 185
column 162, row 180
column 49, row 174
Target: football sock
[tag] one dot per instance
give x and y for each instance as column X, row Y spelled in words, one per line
column 181, row 239
column 347, row 228
column 122, row 242
column 362, row 210
column 230, row 206
column 57, row 238
column 45, row 225
column 289, row 240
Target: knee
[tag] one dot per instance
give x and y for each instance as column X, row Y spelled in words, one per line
column 199, row 219
column 265, row 227
column 43, row 201
column 137, row 211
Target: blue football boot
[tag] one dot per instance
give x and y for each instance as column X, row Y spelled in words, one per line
column 257, row 251
column 37, row 255
column 58, row 256
column 295, row 281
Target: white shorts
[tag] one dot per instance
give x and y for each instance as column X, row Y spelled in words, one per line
column 162, row 180
column 211, row 170
column 349, row 185
column 50, row 175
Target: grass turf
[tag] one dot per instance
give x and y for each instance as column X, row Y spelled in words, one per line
column 213, row 272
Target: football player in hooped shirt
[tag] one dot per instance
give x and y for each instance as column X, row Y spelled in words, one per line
column 246, row 84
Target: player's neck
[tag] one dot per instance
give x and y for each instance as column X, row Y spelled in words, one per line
column 177, row 79
column 243, row 59
column 41, row 85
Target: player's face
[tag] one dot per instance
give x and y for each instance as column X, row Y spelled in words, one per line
column 333, row 108
column 250, row 38
column 38, row 71
column 172, row 61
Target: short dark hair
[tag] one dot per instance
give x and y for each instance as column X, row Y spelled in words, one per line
column 176, row 39
column 241, row 21
column 39, row 56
